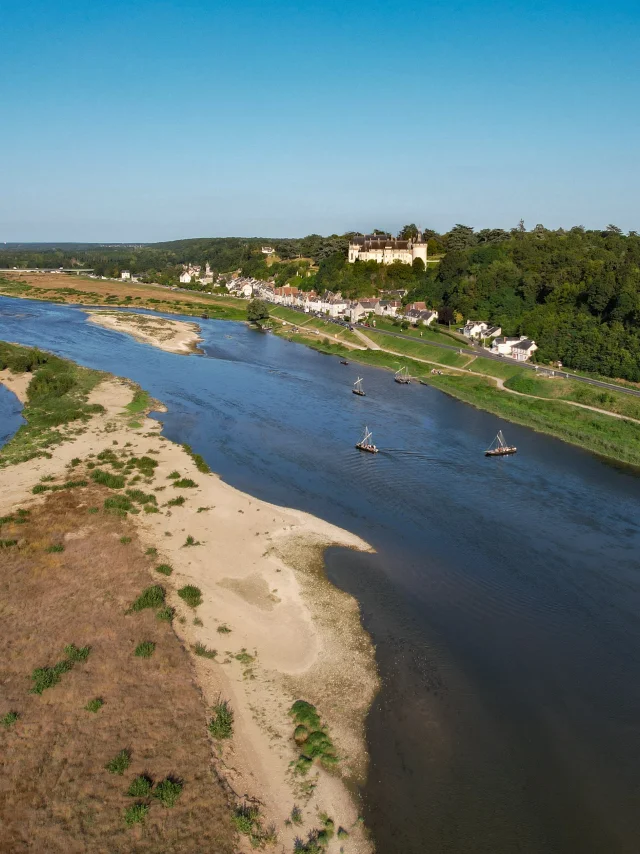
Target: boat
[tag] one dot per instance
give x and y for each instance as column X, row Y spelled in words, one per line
column 343, row 362
column 499, row 448
column 365, row 444
column 402, row 376
column 357, row 387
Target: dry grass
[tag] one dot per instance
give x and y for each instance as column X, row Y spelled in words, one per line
column 55, row 794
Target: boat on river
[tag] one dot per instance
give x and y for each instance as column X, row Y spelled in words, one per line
column 365, row 444
column 357, row 387
column 499, row 448
column 343, row 362
column 402, row 376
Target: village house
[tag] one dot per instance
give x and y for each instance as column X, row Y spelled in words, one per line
column 385, row 249
column 475, row 328
column 361, row 308
column 125, row 275
column 416, row 306
column 268, row 250
column 520, row 348
column 388, row 308
column 427, row 317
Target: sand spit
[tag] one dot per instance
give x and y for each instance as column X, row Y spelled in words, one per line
column 260, row 571
column 17, row 383
column 174, row 336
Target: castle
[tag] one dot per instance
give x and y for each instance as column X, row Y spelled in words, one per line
column 386, row 249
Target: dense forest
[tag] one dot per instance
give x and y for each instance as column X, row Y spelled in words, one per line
column 576, row 291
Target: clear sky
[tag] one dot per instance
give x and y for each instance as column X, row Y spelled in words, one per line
column 156, row 120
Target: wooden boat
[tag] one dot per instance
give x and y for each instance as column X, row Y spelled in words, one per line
column 499, row 448
column 402, row 376
column 343, row 362
column 365, row 444
column 357, row 387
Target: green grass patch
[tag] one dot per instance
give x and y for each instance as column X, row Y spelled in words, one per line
column 94, row 705
column 191, row 541
column 168, row 791
column 119, row 763
column 184, row 483
column 140, row 403
column 9, row 719
column 191, row 595
column 56, row 547
column 141, row 497
column 75, row 653
column 221, row 723
column 118, row 504
column 201, row 465
column 6, row 544
column 176, row 502
column 140, row 787
column 113, row 481
column 145, row 649
column 204, row 651
column 312, row 738
column 164, row 569
column 135, row 814
column 166, row 614
column 151, row 597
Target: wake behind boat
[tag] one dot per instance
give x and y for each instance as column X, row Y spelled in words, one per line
column 365, row 444
column 499, row 448
column 357, row 387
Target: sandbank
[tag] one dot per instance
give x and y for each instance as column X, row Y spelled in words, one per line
column 174, row 336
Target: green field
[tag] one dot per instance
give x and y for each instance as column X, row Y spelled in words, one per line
column 424, row 333
column 418, row 349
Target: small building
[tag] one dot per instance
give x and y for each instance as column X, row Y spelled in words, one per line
column 388, row 308
column 493, row 332
column 475, row 328
column 524, row 349
column 125, row 275
column 427, row 317
column 268, row 250
column 185, row 278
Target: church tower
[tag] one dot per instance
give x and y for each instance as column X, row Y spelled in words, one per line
column 419, row 248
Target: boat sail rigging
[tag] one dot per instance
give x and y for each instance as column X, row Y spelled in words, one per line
column 499, row 447
column 402, row 376
column 357, row 387
column 365, row 444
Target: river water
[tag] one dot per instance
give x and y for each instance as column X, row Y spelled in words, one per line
column 504, row 597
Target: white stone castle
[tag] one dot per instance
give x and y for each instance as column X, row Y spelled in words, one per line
column 386, row 249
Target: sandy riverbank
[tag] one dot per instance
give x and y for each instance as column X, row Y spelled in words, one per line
column 259, row 568
column 174, row 336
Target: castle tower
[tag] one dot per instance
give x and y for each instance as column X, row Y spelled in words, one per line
column 419, row 248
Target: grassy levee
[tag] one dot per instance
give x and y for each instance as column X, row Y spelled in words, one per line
column 288, row 314
column 56, row 401
column 491, row 368
column 526, row 382
column 610, row 437
column 423, row 333
column 419, row 349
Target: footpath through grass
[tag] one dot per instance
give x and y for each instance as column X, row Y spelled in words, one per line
column 56, row 401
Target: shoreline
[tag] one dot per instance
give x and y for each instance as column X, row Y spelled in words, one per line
column 292, row 634
column 172, row 336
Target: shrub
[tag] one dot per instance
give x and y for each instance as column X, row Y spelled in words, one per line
column 221, row 724
column 197, row 621
column 191, row 595
column 141, row 497
column 168, row 792
column 118, row 504
column 151, row 551
column 56, row 547
column 151, row 597
column 92, row 510
column 9, row 719
column 74, row 653
column 119, row 763
column 47, row 677
column 184, row 483
column 296, row 815
column 135, row 814
column 166, row 614
column 301, row 733
column 176, row 502
column 190, row 541
column 305, row 713
column 75, row 461
column 244, row 817
column 94, row 705
column 140, row 787
column 39, row 487
column 164, row 569
column 150, row 508
column 145, row 649
column 204, row 651
column 145, row 465
column 6, row 544
column 224, row 629
column 175, row 475
column 125, row 540
column 113, row 481
column 245, row 658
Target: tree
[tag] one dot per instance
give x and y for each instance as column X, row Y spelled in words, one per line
column 408, row 232
column 460, row 237
column 446, row 314
column 257, row 311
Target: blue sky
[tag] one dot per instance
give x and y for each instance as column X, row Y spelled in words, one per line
column 140, row 121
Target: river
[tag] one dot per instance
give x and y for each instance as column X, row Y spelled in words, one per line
column 504, row 597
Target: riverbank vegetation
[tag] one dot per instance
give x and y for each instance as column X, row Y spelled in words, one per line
column 56, row 401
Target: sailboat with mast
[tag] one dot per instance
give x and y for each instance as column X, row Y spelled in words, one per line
column 365, row 444
column 499, row 447
column 357, row 387
column 402, row 376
